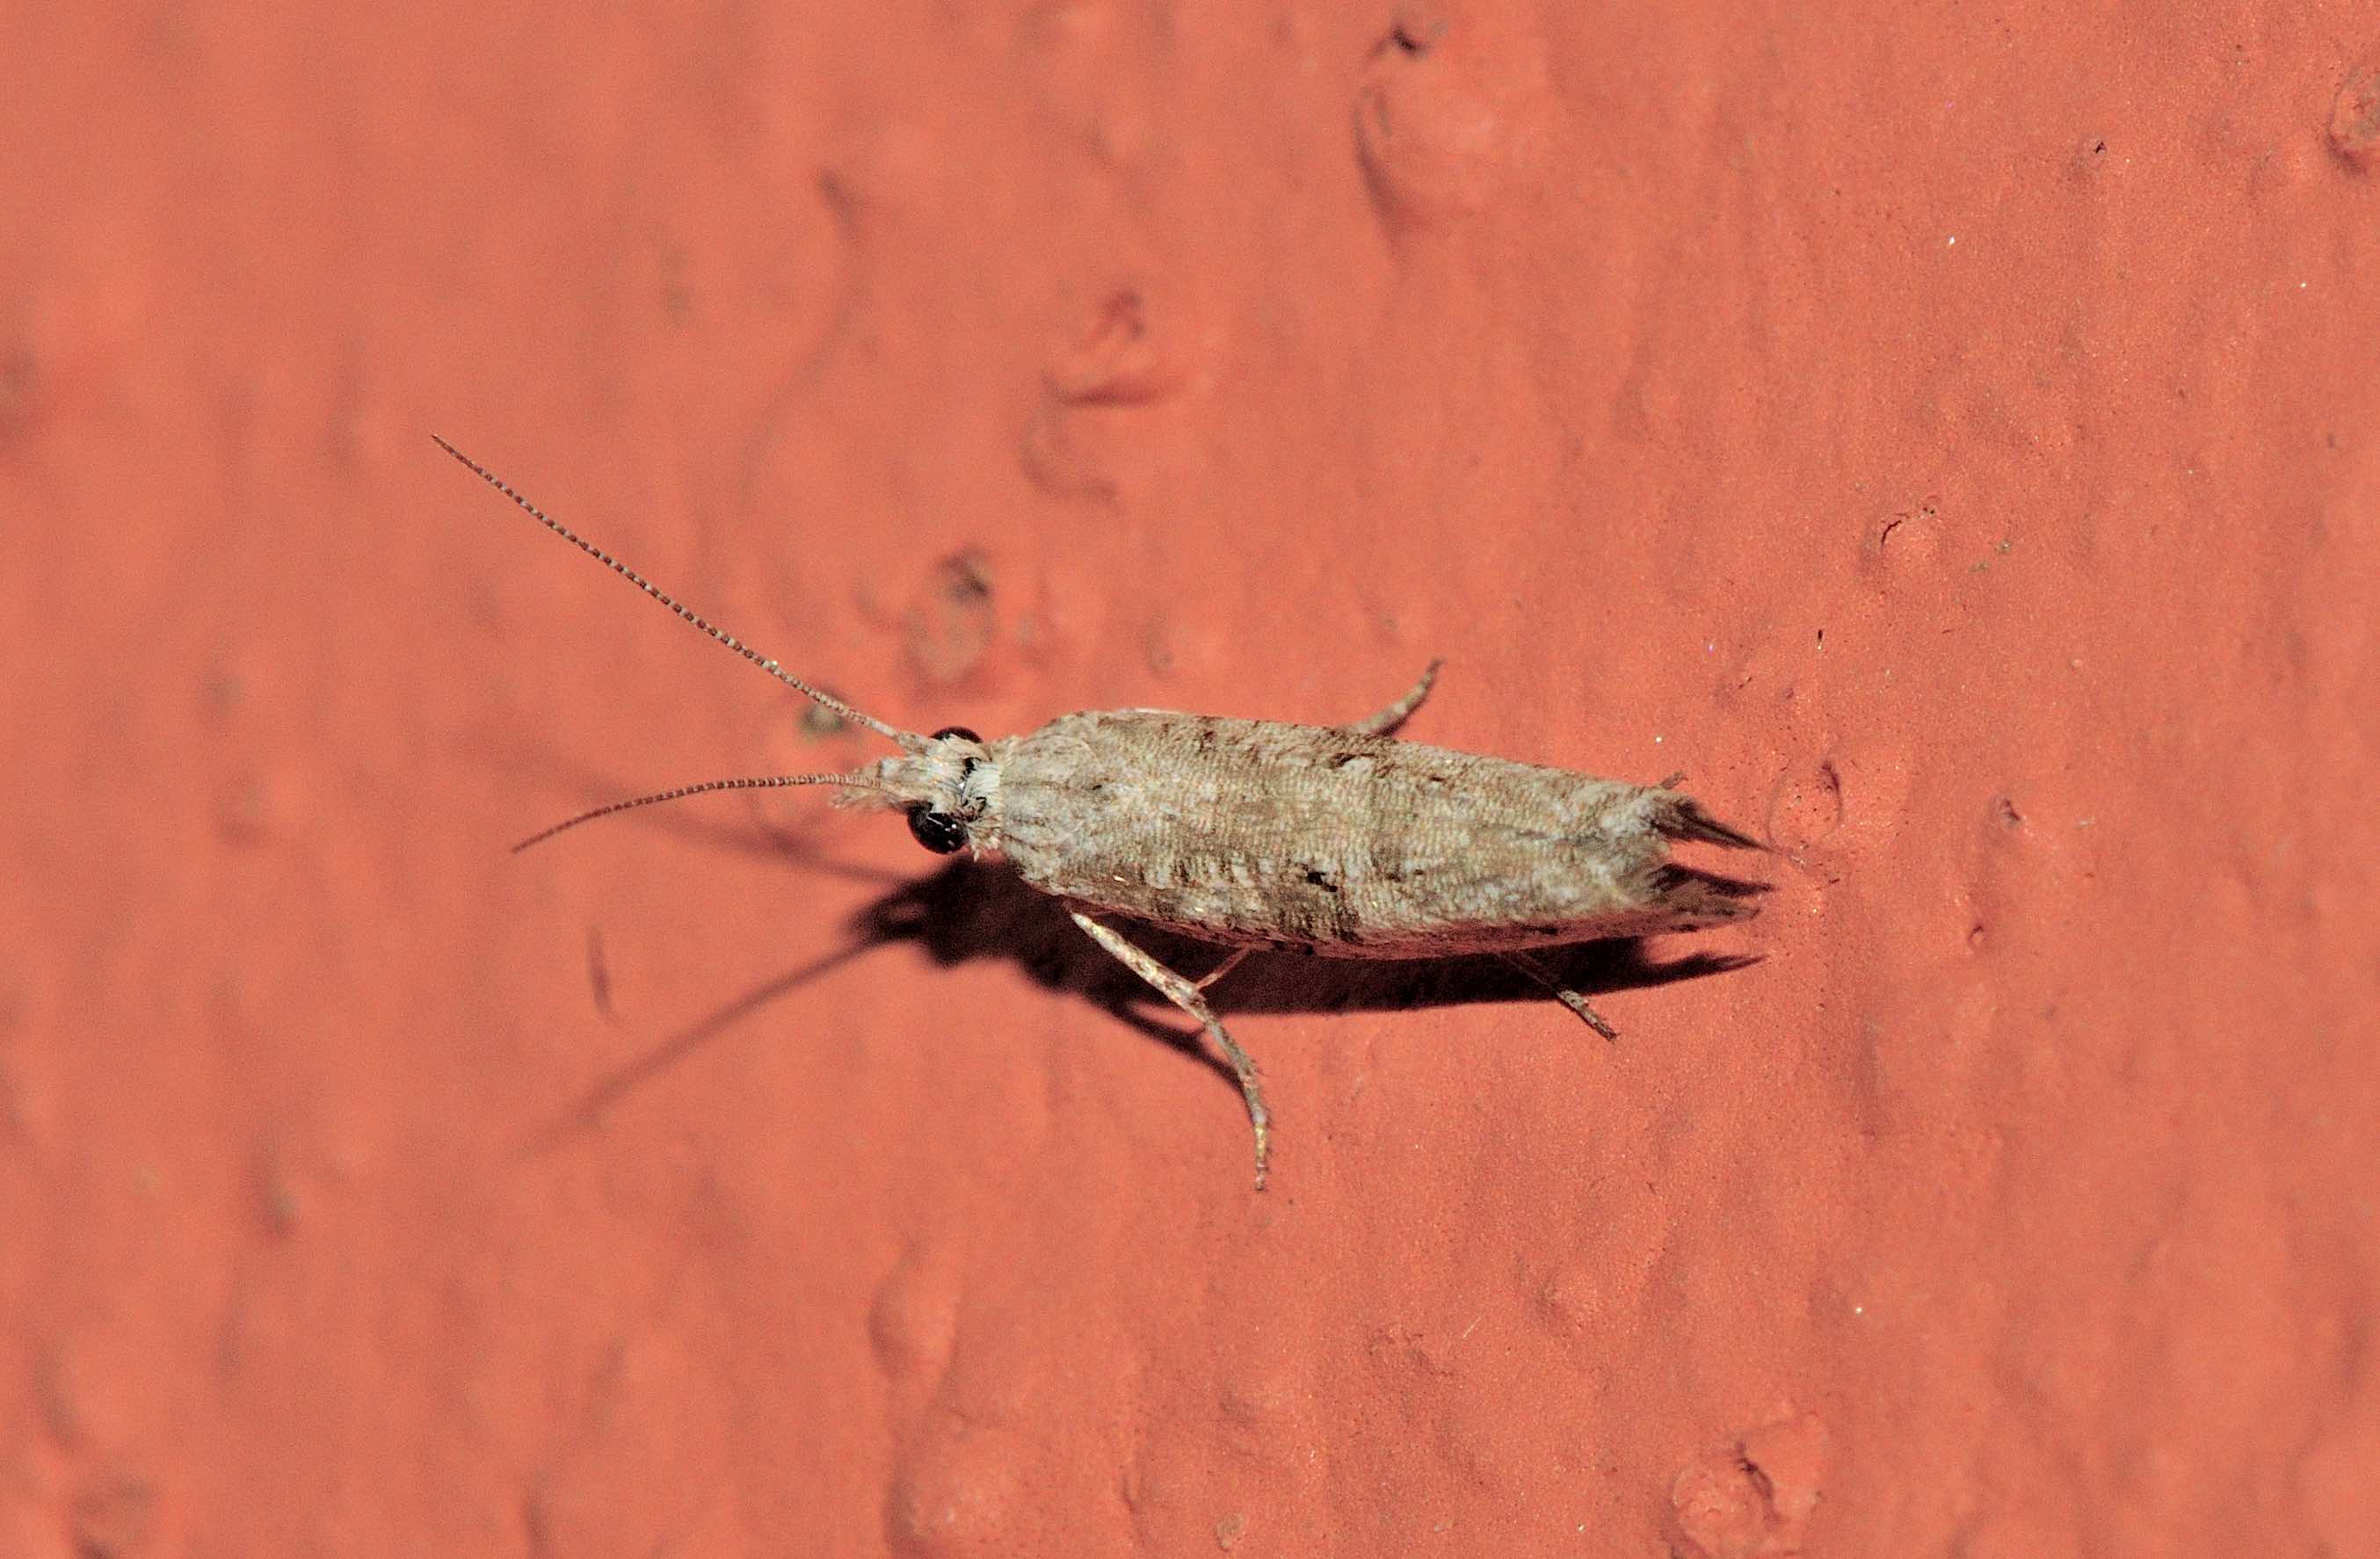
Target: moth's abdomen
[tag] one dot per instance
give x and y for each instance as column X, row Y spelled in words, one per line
column 1262, row 833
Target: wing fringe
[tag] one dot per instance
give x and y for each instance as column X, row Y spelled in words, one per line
column 1683, row 817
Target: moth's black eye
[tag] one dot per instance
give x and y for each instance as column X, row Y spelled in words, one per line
column 937, row 832
column 962, row 733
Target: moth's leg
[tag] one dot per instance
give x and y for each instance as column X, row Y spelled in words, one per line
column 1184, row 995
column 1562, row 992
column 1224, row 968
column 1396, row 714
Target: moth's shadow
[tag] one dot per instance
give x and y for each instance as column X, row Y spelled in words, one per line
column 967, row 910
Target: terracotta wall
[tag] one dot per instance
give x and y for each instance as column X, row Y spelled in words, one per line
column 1948, row 433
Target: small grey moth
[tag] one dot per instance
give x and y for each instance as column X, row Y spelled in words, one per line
column 1337, row 840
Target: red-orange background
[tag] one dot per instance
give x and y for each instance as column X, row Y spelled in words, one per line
column 1949, row 433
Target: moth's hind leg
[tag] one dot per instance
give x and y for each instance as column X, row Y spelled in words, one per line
column 1388, row 719
column 1561, row 993
column 1223, row 968
column 1184, row 995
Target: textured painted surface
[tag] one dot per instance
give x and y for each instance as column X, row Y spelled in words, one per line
column 1948, row 435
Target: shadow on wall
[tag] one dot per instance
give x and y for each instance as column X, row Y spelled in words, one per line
column 968, row 911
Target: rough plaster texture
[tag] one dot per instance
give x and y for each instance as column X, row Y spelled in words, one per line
column 1949, row 433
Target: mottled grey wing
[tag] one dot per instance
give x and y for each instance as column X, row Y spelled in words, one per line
column 1314, row 838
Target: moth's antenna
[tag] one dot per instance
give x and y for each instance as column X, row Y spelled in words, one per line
column 905, row 738
column 765, row 782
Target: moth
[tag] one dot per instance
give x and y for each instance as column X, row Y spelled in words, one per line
column 1336, row 840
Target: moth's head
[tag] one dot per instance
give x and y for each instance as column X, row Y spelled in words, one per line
column 946, row 783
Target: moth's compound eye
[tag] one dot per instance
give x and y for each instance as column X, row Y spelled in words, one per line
column 962, row 733
column 937, row 832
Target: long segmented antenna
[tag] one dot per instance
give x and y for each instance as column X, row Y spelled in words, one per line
column 765, row 782
column 906, row 739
